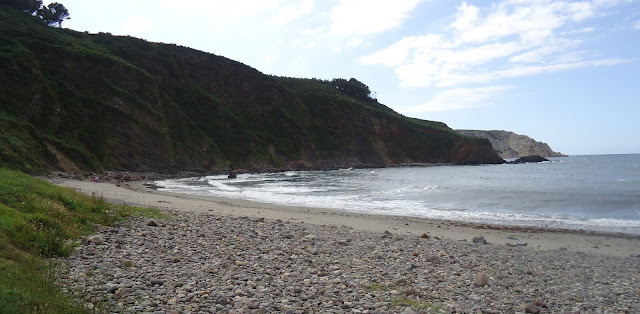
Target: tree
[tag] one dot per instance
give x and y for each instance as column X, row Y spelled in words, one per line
column 29, row 6
column 353, row 88
column 54, row 13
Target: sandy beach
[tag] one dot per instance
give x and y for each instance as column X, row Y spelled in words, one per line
column 140, row 193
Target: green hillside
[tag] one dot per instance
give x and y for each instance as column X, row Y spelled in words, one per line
column 79, row 102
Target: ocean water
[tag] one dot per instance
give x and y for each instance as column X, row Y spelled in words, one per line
column 598, row 193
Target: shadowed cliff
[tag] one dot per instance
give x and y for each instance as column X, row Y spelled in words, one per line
column 76, row 102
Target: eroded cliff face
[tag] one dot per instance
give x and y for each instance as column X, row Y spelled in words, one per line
column 85, row 102
column 512, row 145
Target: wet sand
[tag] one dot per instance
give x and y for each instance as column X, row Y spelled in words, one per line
column 142, row 193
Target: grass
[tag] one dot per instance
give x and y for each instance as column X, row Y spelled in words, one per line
column 402, row 299
column 39, row 221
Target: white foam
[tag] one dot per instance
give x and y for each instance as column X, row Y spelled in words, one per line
column 483, row 195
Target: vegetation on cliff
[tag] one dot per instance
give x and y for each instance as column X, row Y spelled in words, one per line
column 79, row 102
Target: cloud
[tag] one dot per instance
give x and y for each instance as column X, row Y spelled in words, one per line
column 636, row 25
column 459, row 98
column 135, row 24
column 509, row 39
column 291, row 13
column 367, row 17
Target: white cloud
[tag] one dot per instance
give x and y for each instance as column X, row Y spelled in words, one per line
column 290, row 13
column 367, row 17
column 135, row 24
column 459, row 98
column 636, row 25
column 509, row 39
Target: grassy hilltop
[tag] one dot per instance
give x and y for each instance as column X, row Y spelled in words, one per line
column 77, row 102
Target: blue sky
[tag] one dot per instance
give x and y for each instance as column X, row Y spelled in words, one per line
column 563, row 72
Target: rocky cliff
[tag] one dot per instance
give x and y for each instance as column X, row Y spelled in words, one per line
column 83, row 102
column 511, row 145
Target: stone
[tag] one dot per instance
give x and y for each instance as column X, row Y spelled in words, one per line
column 540, row 304
column 532, row 308
column 157, row 282
column 402, row 281
column 482, row 280
column 153, row 223
column 95, row 239
column 127, row 263
column 112, row 288
column 433, row 259
column 480, row 240
column 425, row 236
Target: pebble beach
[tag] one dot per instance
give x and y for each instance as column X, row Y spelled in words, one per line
column 238, row 259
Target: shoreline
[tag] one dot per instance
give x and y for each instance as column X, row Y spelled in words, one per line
column 536, row 238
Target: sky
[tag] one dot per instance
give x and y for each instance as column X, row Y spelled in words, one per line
column 562, row 72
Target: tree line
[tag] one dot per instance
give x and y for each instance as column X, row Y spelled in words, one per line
column 351, row 87
column 52, row 14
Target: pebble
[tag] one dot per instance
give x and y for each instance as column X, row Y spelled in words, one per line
column 202, row 262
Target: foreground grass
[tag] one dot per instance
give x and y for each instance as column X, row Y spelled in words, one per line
column 38, row 221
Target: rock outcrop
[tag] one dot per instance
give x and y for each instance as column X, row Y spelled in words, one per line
column 511, row 145
column 529, row 159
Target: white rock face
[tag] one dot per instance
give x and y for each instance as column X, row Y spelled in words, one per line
column 512, row 145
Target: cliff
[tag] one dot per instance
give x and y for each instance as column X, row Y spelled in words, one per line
column 511, row 145
column 83, row 102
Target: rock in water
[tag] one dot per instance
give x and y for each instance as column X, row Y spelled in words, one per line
column 482, row 280
column 527, row 159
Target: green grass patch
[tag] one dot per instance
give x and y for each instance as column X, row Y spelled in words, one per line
column 39, row 220
column 414, row 304
column 401, row 299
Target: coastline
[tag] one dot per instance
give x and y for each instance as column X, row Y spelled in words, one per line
column 540, row 239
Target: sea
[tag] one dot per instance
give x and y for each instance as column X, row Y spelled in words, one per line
column 593, row 193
